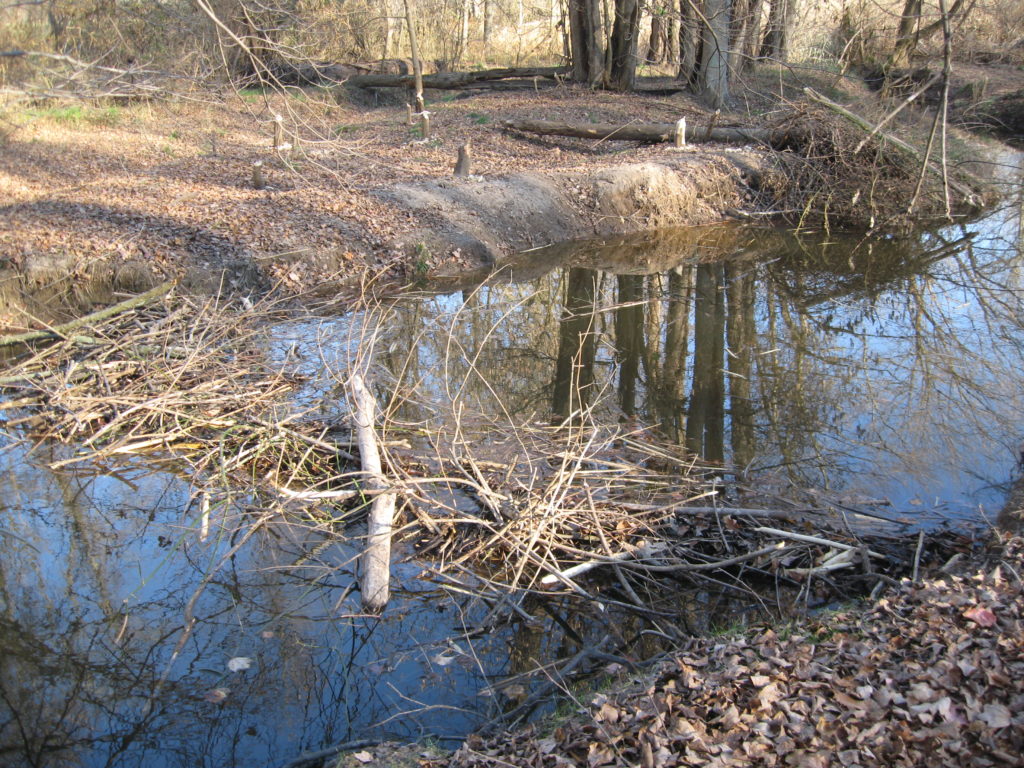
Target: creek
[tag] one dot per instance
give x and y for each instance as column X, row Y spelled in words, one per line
column 881, row 374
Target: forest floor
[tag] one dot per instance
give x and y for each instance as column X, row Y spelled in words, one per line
column 169, row 189
column 929, row 674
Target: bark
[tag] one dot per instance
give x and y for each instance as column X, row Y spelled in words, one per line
column 907, row 35
column 585, row 36
column 623, row 45
column 656, row 44
column 689, row 43
column 714, row 74
column 910, row 33
column 746, row 29
column 417, row 64
column 376, row 562
column 780, row 25
column 654, row 132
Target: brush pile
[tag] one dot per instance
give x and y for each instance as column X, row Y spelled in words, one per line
column 848, row 172
column 168, row 377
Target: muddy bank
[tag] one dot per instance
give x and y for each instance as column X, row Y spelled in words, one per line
column 478, row 221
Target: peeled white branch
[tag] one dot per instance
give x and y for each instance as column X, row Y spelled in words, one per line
column 376, row 560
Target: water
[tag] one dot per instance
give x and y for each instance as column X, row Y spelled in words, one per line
column 881, row 374
column 823, row 366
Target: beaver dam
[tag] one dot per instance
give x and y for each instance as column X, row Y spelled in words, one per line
column 595, row 451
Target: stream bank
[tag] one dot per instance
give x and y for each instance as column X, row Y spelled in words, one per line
column 167, row 190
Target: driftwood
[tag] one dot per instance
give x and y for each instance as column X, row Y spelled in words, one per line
column 454, row 80
column 376, row 575
column 651, row 132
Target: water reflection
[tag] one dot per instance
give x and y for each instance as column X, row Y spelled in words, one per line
column 103, row 569
column 885, row 369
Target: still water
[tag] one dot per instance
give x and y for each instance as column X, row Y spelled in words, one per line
column 823, row 367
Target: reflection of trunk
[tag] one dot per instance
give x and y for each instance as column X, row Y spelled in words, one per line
column 1011, row 516
column 577, row 345
column 402, row 360
column 740, row 295
column 705, row 422
column 629, row 339
column 677, row 338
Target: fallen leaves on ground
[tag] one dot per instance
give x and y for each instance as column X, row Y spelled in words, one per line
column 930, row 675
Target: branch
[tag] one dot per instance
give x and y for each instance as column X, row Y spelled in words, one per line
column 61, row 331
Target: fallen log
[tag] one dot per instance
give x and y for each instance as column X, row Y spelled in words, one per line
column 376, row 561
column 653, row 132
column 454, row 80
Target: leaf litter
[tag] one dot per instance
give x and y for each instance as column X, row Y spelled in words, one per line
column 929, row 674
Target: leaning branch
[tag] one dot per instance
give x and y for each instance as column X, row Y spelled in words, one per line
column 62, row 331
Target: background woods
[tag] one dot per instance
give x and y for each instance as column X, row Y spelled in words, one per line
column 707, row 44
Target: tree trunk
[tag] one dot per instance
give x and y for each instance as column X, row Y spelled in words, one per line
column 376, row 561
column 655, row 45
column 623, row 45
column 907, row 36
column 656, row 132
column 417, row 65
column 714, row 68
column 743, row 38
column 585, row 41
column 689, row 42
column 780, row 25
column 452, row 80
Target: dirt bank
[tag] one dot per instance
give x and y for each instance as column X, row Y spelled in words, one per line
column 172, row 188
column 195, row 189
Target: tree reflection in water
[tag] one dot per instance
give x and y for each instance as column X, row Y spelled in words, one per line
column 861, row 369
column 866, row 368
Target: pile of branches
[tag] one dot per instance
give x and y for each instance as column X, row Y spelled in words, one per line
column 611, row 514
column 852, row 172
column 168, row 376
column 623, row 519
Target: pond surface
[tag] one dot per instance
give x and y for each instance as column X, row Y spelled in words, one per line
column 869, row 373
